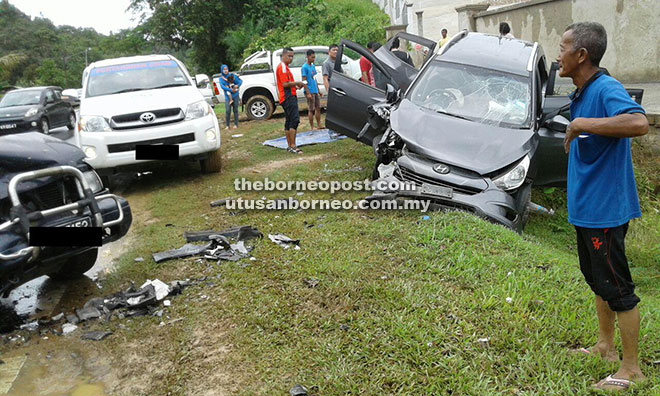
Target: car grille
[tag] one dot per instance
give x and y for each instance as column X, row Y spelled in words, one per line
column 405, row 174
column 132, row 120
column 118, row 148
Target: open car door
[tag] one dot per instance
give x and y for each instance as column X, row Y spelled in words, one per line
column 349, row 98
column 402, row 72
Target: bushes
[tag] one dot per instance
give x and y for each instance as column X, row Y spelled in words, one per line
column 317, row 22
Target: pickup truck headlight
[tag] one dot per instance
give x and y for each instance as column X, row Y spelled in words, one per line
column 198, row 110
column 515, row 177
column 94, row 124
column 32, row 111
column 93, row 180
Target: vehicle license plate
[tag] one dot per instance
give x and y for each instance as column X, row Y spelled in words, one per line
column 84, row 222
column 8, row 126
column 444, row 192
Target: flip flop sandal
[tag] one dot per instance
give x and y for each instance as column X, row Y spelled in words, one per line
column 293, row 150
column 613, row 384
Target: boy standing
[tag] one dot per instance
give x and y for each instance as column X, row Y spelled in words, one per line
column 312, row 93
column 286, row 88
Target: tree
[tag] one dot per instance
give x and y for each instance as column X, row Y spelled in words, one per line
column 50, row 74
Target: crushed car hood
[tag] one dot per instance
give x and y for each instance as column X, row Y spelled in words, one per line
column 30, row 151
column 471, row 145
column 15, row 111
column 135, row 102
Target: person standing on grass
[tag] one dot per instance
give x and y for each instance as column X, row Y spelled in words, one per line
column 329, row 65
column 286, row 88
column 601, row 192
column 367, row 68
column 312, row 93
column 229, row 82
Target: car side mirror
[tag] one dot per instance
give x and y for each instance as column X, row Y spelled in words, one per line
column 392, row 94
column 557, row 123
column 344, row 60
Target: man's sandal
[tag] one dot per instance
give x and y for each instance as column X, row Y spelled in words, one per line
column 293, row 150
column 612, row 384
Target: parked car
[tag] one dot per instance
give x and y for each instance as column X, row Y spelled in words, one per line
column 147, row 101
column 472, row 131
column 72, row 96
column 45, row 182
column 35, row 109
column 259, row 93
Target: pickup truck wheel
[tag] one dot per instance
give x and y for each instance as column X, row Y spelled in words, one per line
column 213, row 163
column 76, row 266
column 259, row 107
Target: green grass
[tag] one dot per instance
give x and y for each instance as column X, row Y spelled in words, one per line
column 401, row 301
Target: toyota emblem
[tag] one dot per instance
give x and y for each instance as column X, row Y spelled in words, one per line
column 147, row 118
column 441, row 169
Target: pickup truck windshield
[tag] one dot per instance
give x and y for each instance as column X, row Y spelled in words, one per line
column 477, row 94
column 22, row 98
column 130, row 77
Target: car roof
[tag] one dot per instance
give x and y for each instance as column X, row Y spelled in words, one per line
column 130, row 59
column 490, row 51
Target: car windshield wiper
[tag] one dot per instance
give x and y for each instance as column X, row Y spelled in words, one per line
column 127, row 90
column 169, row 86
column 453, row 115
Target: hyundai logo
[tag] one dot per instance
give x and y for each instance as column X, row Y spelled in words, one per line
column 441, row 169
column 147, row 118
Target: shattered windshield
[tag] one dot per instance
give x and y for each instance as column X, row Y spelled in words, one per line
column 474, row 93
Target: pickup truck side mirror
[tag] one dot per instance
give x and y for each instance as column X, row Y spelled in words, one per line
column 557, row 123
column 344, row 60
column 392, row 94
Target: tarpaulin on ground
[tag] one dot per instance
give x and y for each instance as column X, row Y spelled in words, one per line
column 306, row 138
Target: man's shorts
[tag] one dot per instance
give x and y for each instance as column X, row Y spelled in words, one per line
column 292, row 118
column 314, row 103
column 605, row 267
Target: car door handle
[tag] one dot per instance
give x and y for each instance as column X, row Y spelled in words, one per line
column 339, row 91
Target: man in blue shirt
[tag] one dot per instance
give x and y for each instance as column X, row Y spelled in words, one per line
column 601, row 192
column 312, row 93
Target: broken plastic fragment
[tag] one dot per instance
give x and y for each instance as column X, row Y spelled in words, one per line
column 186, row 250
column 298, row 390
column 68, row 328
column 95, row 335
column 284, row 241
column 161, row 288
column 509, row 300
column 386, row 170
column 87, row 313
column 220, row 202
column 32, row 326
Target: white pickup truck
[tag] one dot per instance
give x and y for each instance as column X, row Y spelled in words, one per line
column 258, row 92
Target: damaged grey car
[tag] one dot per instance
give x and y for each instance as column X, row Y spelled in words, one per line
column 472, row 132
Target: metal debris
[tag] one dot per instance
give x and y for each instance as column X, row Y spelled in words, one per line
column 298, row 390
column 284, row 241
column 221, row 202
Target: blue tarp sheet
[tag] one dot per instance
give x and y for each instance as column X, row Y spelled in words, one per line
column 306, row 138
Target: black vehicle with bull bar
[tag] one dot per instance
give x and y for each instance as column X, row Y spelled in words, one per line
column 473, row 128
column 46, row 186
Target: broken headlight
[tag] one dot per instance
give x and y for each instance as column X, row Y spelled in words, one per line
column 515, row 177
column 93, row 180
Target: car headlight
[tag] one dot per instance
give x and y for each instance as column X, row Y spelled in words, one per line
column 32, row 111
column 515, row 177
column 94, row 124
column 198, row 110
column 93, row 180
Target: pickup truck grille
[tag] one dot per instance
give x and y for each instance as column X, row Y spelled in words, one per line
column 118, row 148
column 132, row 120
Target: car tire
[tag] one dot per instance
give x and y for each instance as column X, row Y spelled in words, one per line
column 76, row 266
column 259, row 107
column 44, row 126
column 523, row 198
column 71, row 123
column 212, row 163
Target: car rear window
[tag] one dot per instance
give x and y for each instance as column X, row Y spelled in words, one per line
column 108, row 80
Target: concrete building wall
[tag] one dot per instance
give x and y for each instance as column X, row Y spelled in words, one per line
column 633, row 47
column 434, row 14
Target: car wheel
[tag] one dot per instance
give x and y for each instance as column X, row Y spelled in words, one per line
column 76, row 266
column 259, row 107
column 72, row 121
column 523, row 199
column 45, row 128
column 213, row 163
